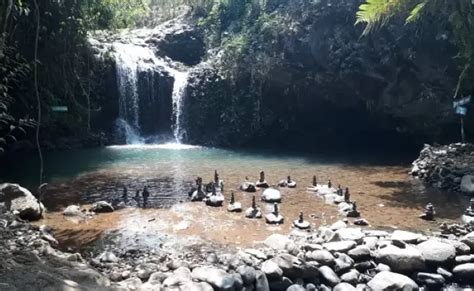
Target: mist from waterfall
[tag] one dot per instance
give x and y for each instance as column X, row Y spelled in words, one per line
column 133, row 60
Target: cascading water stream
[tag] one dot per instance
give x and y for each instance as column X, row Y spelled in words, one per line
column 132, row 60
column 179, row 90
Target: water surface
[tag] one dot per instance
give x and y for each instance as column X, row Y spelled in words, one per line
column 387, row 197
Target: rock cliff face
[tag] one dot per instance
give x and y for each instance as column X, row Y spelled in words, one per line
column 327, row 83
column 315, row 79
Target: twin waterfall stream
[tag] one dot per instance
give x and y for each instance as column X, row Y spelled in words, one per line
column 138, row 73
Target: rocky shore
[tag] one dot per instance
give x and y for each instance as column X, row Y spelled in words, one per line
column 337, row 257
column 449, row 167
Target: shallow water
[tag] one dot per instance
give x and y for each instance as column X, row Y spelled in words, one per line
column 387, row 197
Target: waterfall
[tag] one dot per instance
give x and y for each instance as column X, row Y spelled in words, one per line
column 136, row 69
column 131, row 59
column 179, row 90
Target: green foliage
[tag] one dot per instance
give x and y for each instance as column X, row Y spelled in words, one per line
column 458, row 13
column 112, row 14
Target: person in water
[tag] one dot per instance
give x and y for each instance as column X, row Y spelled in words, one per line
column 125, row 194
column 137, row 196
column 145, row 195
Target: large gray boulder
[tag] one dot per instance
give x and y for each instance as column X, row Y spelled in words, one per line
column 248, row 274
column 340, row 246
column 405, row 236
column 19, row 199
column 464, row 272
column 391, row 281
column 329, row 276
column 218, row 278
column 271, row 270
column 179, row 277
column 437, row 253
column 403, row 260
column 323, row 257
column 261, row 282
column 350, row 233
column 293, row 267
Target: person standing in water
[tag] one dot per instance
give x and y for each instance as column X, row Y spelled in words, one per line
column 145, row 195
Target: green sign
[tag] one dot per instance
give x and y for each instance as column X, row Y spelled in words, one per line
column 59, row 108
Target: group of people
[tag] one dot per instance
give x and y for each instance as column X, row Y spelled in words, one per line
column 145, row 194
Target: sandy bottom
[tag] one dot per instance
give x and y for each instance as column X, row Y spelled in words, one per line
column 386, row 197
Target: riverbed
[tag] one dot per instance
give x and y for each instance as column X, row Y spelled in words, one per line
column 386, row 196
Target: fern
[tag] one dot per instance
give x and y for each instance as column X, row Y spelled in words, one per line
column 377, row 13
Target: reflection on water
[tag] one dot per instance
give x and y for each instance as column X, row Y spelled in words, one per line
column 386, row 196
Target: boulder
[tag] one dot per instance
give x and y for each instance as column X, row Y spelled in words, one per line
column 360, row 253
column 329, row 276
column 344, row 287
column 352, row 234
column 249, row 274
column 19, row 199
column 468, row 239
column 351, row 277
column 323, row 257
column 343, row 263
column 293, row 267
column 437, row 253
column 271, row 270
column 218, row 278
column 296, row 287
column 392, row 281
column 467, row 184
column 340, row 246
column 431, row 280
column 445, row 273
column 277, row 241
column 405, row 236
column 101, row 207
column 464, row 273
column 464, row 259
column 403, row 260
column 271, row 195
column 261, row 282
column 338, row 225
column 179, row 277
column 280, row 285
column 73, row 210
column 248, row 187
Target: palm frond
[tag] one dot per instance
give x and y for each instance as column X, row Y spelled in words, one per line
column 416, row 12
column 376, row 13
